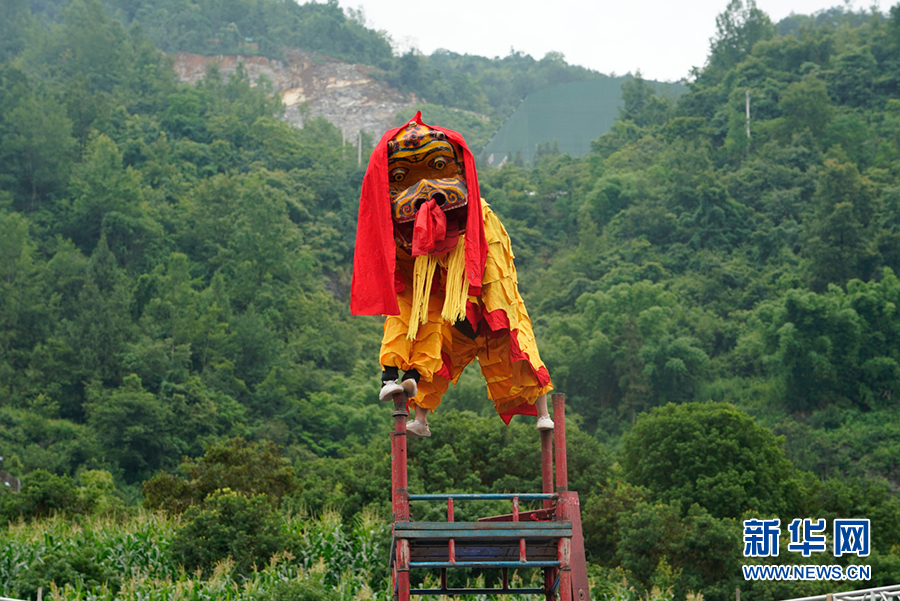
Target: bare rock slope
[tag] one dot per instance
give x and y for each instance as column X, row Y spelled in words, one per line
column 344, row 94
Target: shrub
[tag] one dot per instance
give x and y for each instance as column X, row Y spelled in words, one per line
column 252, row 468
column 299, row 591
column 43, row 493
column 229, row 524
column 79, row 567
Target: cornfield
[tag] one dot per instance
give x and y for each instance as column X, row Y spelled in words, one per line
column 350, row 563
column 135, row 559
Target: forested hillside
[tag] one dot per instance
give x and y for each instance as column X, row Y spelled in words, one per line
column 181, row 381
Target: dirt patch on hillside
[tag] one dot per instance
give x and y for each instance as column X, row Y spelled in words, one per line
column 344, row 94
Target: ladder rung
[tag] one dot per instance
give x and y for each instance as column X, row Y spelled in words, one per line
column 477, row 591
column 485, row 497
column 484, row 564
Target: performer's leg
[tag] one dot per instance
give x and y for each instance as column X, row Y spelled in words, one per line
column 513, row 383
column 419, row 424
column 544, row 422
column 389, row 383
column 459, row 353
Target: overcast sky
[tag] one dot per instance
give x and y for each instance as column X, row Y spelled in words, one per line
column 662, row 38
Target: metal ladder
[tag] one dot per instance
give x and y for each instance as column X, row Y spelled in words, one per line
column 549, row 539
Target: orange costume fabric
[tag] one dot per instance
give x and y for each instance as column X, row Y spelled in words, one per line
column 504, row 344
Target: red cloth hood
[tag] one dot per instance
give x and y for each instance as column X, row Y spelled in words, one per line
column 372, row 289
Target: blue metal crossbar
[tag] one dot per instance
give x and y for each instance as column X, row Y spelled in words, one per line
column 467, row 530
column 485, row 497
column 484, row 564
column 477, row 591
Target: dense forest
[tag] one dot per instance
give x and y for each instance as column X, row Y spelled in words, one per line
column 192, row 411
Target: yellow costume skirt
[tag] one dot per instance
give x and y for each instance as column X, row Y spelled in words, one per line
column 504, row 345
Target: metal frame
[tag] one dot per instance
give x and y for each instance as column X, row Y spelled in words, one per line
column 549, row 539
column 882, row 593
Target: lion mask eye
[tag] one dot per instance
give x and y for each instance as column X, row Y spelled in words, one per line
column 398, row 174
column 439, row 163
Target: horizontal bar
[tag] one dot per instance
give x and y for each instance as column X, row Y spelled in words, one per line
column 538, row 515
column 537, row 496
column 476, row 591
column 483, row 526
column 487, row 535
column 545, row 532
column 484, row 564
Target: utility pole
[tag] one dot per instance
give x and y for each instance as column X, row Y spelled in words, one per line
column 747, row 93
column 359, row 149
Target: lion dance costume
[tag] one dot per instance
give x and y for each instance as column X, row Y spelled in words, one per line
column 434, row 259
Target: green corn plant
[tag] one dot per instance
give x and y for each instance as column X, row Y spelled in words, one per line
column 350, row 563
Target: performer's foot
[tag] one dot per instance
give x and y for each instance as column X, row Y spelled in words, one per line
column 389, row 389
column 409, row 385
column 418, row 429
column 544, row 423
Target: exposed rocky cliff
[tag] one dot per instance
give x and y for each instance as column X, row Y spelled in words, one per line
column 344, row 94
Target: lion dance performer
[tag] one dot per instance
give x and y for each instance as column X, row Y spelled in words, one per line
column 434, row 259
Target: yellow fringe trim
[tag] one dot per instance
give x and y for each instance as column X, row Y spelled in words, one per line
column 456, row 285
column 423, row 276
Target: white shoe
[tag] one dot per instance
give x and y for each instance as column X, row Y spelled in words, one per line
column 545, row 423
column 418, row 429
column 389, row 389
column 410, row 387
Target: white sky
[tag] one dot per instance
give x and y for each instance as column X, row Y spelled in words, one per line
column 662, row 38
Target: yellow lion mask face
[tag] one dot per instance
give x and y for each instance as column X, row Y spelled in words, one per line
column 423, row 165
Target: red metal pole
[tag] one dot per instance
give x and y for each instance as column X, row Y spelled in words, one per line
column 402, row 563
column 559, row 444
column 515, row 518
column 451, row 552
column 562, row 487
column 547, row 465
column 565, row 569
column 400, row 494
column 399, row 480
column 547, row 487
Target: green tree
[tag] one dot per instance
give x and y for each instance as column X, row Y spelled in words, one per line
column 248, row 468
column 853, row 77
column 81, row 567
column 102, row 326
column 14, row 29
column 685, row 553
column 641, row 104
column 710, row 454
column 805, row 105
column 837, row 244
column 109, row 202
column 92, row 45
column 632, row 356
column 228, row 524
column 300, row 591
column 25, row 309
column 43, row 493
column 35, row 142
column 738, row 29
column 133, row 427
